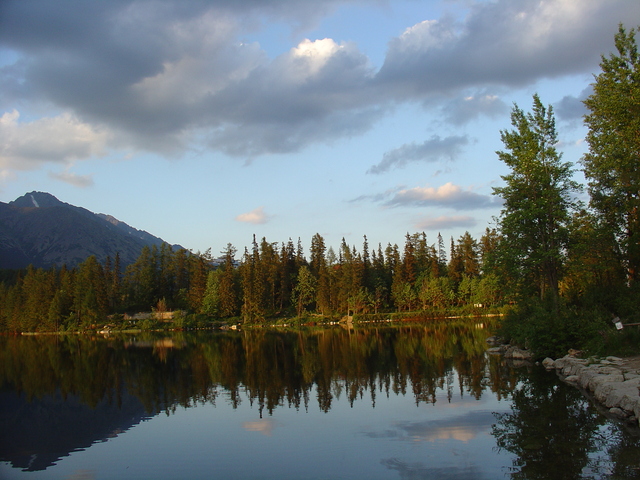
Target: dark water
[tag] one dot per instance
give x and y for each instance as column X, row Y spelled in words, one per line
column 411, row 402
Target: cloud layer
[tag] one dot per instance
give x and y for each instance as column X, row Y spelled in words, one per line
column 445, row 222
column 431, row 150
column 167, row 76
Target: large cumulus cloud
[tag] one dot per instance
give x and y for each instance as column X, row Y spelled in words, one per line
column 166, row 76
column 505, row 43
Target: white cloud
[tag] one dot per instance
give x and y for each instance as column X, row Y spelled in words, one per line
column 61, row 139
column 311, row 57
column 444, row 222
column 447, row 195
column 256, row 216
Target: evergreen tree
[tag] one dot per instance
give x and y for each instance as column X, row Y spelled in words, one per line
column 269, row 263
column 318, row 250
column 228, row 286
column 304, row 291
column 199, row 266
column 180, row 274
column 409, row 263
column 320, row 269
column 442, row 255
column 253, row 285
column 211, row 300
column 288, row 273
column 141, row 280
column 456, row 265
column 468, row 251
column 90, row 298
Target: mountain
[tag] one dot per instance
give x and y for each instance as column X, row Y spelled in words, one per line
column 39, row 229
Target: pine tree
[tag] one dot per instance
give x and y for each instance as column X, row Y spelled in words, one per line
column 228, row 286
column 304, row 291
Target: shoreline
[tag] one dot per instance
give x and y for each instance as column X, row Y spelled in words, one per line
column 613, row 382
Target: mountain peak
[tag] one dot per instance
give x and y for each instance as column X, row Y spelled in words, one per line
column 39, row 229
column 37, row 200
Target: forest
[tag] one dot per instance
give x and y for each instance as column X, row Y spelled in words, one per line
column 560, row 269
column 271, row 281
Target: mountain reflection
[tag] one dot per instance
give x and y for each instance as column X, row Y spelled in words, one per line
column 100, row 387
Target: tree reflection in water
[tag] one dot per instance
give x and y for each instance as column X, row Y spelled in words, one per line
column 555, row 432
column 551, row 430
column 270, row 368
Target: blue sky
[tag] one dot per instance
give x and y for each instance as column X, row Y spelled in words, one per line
column 207, row 122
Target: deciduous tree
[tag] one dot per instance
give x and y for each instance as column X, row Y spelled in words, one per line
column 612, row 165
column 538, row 199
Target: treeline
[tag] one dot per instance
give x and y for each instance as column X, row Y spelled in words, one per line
column 268, row 281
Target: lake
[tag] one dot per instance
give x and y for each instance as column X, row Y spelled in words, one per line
column 417, row 401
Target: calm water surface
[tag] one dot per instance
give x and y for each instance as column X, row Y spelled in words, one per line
column 411, row 402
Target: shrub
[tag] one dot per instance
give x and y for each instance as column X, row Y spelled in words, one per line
column 551, row 330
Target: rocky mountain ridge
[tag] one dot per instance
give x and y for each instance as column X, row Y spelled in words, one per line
column 40, row 230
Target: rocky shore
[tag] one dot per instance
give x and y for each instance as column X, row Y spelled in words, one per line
column 613, row 382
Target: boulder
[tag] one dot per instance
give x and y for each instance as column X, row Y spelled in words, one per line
column 516, row 353
column 612, row 382
column 496, row 350
column 549, row 363
column 616, row 412
column 572, row 379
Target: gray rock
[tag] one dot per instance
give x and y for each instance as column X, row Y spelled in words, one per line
column 518, row 354
column 496, row 350
column 573, row 379
column 612, row 384
column 615, row 411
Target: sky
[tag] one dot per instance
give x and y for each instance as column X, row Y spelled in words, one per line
column 210, row 121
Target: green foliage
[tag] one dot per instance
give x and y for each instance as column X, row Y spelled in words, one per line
column 537, row 201
column 211, row 300
column 304, row 291
column 147, row 324
column 612, row 164
column 616, row 342
column 550, row 330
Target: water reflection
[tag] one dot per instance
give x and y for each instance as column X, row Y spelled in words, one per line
column 63, row 394
column 263, row 426
column 552, row 427
column 418, row 470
